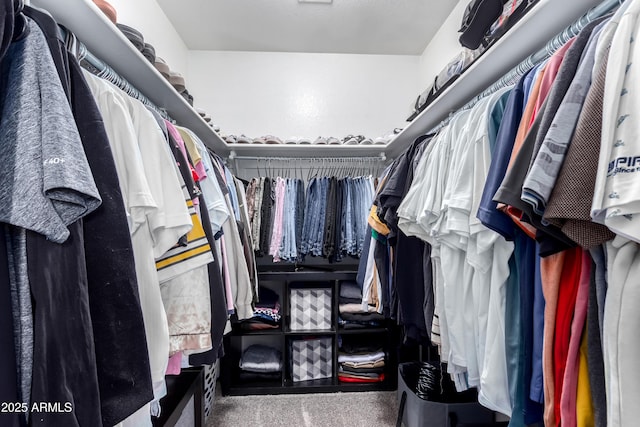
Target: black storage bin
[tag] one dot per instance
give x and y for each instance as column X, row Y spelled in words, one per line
column 446, row 408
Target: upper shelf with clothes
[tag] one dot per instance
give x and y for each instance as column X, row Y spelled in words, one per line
column 106, row 42
column 532, row 32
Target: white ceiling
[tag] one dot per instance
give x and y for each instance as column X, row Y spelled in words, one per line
column 397, row 27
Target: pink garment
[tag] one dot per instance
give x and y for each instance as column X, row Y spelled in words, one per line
column 183, row 149
column 276, row 235
column 569, row 396
column 551, row 272
column 550, row 73
column 175, row 364
column 200, row 170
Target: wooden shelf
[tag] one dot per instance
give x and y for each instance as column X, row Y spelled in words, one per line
column 308, row 276
column 237, row 332
column 257, row 388
column 385, row 385
column 379, row 330
column 107, row 43
column 318, row 384
column 318, row 333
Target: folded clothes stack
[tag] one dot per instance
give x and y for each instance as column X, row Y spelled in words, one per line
column 361, row 364
column 260, row 362
column 354, row 313
column 267, row 314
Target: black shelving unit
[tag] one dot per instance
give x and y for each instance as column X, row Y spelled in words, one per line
column 180, row 390
column 282, row 282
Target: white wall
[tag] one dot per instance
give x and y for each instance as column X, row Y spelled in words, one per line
column 147, row 17
column 443, row 47
column 303, row 94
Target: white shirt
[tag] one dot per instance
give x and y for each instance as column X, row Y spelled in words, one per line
column 154, row 226
column 616, row 201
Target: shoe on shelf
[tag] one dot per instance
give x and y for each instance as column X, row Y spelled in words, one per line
column 187, row 96
column 230, row 139
column 333, row 141
column 381, row 140
column 162, row 66
column 270, row 139
column 366, row 141
column 149, row 52
column 349, row 140
column 304, row 141
column 107, row 9
column 177, row 81
column 134, row 36
column 243, row 139
column 291, row 140
column 259, row 140
column 320, row 141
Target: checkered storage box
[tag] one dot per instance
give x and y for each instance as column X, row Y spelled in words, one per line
column 310, row 309
column 311, row 359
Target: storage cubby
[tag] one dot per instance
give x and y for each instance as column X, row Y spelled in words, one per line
column 316, row 284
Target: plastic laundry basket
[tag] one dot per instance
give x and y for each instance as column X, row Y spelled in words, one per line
column 447, row 409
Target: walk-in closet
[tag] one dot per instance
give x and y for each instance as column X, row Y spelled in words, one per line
column 319, row 213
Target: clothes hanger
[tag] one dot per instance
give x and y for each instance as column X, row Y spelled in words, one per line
column 21, row 26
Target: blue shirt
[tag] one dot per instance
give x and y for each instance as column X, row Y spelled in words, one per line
column 488, row 213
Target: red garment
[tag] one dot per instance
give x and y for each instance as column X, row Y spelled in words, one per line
column 361, row 380
column 551, row 271
column 569, row 393
column 569, row 284
column 551, row 71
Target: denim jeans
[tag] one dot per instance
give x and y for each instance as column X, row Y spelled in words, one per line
column 309, row 216
column 300, row 214
column 319, row 217
column 288, row 249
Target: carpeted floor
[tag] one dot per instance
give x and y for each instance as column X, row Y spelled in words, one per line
column 367, row 409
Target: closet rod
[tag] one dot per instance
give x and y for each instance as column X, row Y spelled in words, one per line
column 381, row 158
column 101, row 69
column 512, row 77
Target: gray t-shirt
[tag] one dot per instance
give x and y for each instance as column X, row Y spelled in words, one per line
column 45, row 181
column 545, row 167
